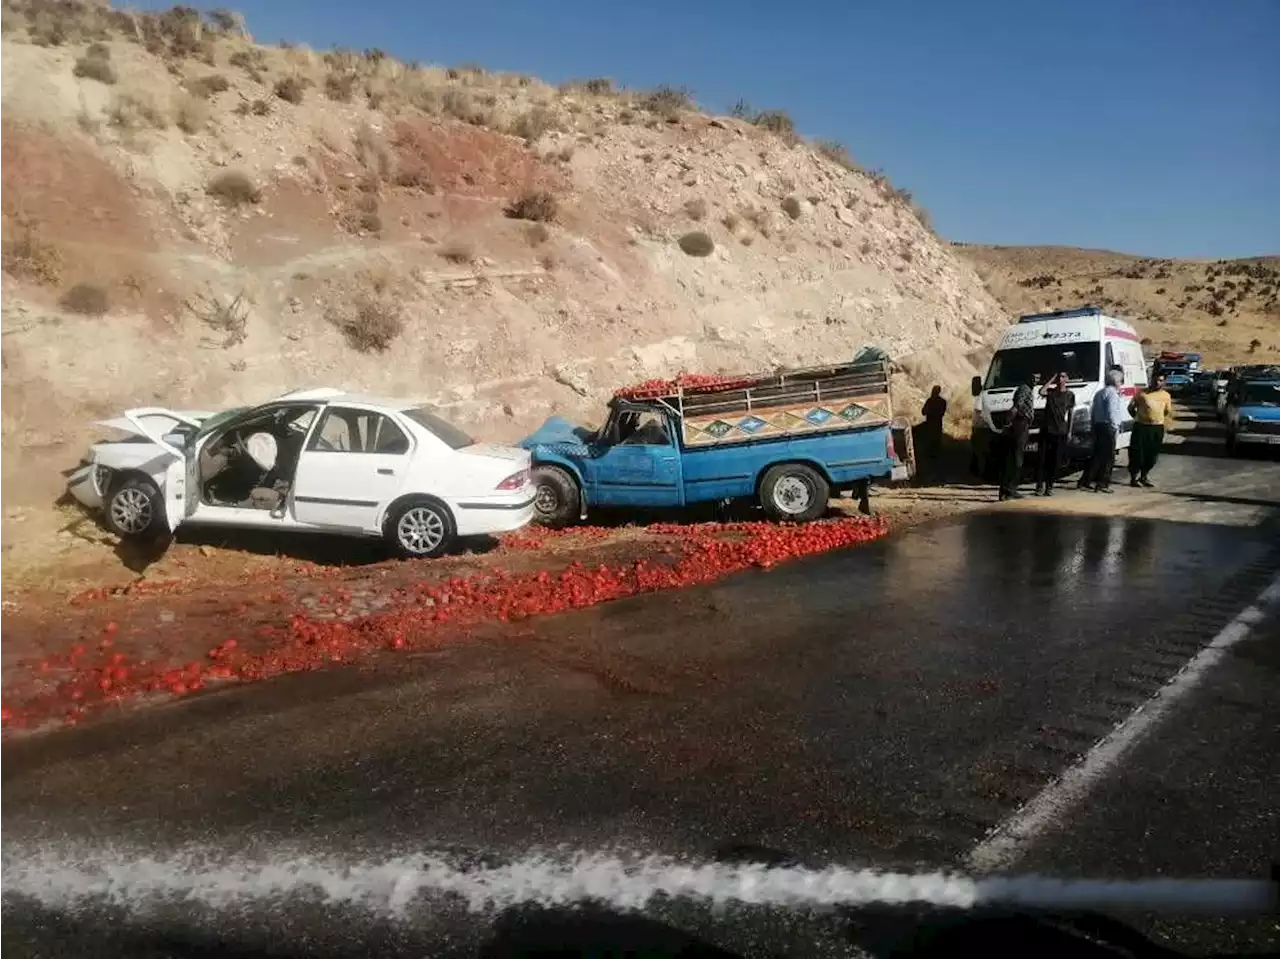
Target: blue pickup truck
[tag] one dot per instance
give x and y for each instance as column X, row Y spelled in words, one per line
column 787, row 440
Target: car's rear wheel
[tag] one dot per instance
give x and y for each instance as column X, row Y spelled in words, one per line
column 794, row 492
column 419, row 528
column 135, row 509
column 557, row 501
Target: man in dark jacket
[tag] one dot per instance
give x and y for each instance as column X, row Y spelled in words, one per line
column 1015, row 436
column 933, row 411
column 1059, row 405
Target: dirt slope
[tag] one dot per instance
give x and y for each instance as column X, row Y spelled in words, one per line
column 192, row 219
column 1227, row 309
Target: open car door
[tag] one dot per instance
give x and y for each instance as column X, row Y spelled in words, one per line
column 162, row 427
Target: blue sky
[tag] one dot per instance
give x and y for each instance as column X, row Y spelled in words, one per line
column 1148, row 126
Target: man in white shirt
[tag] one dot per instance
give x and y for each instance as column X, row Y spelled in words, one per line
column 1107, row 415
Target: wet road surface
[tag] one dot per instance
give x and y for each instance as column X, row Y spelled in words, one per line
column 881, row 707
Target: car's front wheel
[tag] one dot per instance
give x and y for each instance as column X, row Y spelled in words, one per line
column 419, row 528
column 135, row 509
column 558, row 501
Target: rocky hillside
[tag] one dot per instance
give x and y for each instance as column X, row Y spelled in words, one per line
column 194, row 219
column 1227, row 309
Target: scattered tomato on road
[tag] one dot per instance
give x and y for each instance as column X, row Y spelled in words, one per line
column 284, row 626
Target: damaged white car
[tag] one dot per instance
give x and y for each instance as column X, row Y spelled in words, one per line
column 316, row 460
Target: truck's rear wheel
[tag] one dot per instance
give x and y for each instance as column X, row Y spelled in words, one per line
column 794, row 492
column 558, row 501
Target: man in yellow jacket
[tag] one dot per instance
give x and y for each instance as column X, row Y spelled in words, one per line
column 1152, row 412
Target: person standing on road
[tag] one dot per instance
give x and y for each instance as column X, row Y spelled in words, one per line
column 1152, row 413
column 1106, row 416
column 933, row 411
column 1015, row 436
column 1059, row 404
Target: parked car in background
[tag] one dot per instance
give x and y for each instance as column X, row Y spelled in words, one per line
column 318, row 460
column 1253, row 415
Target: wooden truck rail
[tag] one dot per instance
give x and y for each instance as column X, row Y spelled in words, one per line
column 789, row 403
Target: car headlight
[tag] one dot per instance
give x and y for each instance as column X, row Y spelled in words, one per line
column 101, row 478
column 1244, row 422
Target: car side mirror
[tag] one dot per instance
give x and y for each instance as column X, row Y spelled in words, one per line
column 176, row 439
column 975, row 386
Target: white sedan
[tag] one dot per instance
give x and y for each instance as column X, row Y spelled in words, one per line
column 315, row 460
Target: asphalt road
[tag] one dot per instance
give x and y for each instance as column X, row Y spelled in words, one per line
column 883, row 707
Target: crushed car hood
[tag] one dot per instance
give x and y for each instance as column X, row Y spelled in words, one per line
column 558, row 431
column 123, row 424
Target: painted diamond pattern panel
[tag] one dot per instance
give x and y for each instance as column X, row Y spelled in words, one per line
column 782, row 421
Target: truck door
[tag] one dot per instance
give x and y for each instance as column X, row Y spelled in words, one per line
column 642, row 468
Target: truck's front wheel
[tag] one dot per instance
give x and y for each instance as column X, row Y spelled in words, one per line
column 794, row 492
column 557, row 500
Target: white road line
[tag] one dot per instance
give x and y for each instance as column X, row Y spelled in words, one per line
column 1007, row 842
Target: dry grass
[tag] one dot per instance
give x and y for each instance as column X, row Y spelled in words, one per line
column 28, row 257
column 96, row 64
column 537, row 205
column 190, row 114
column 133, row 110
column 87, row 299
column 371, row 324
column 537, row 234
column 374, row 154
column 341, row 85
column 291, row 89
column 534, row 123
column 208, row 86
column 229, row 318
column 233, row 188
column 837, row 153
column 696, row 209
column 667, row 102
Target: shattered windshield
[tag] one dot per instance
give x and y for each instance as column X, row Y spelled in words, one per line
column 217, row 419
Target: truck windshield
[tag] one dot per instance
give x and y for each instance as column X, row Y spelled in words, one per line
column 1011, row 368
column 1260, row 394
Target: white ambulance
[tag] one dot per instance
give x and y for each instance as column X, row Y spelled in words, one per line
column 1083, row 343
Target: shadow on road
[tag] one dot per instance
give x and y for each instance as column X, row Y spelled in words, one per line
column 1233, row 500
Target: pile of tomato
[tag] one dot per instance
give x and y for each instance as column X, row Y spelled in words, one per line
column 688, row 382
column 97, row 674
